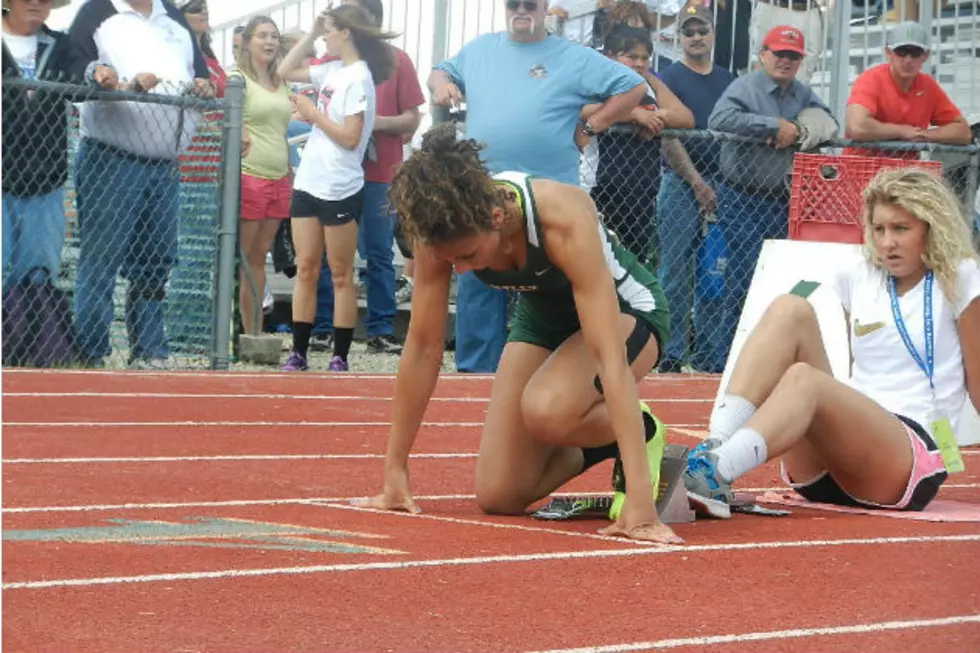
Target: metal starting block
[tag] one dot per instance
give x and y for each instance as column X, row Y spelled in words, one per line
column 672, row 504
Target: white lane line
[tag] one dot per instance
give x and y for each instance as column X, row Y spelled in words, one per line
column 192, row 395
column 482, row 560
column 739, row 638
column 79, row 425
column 478, row 522
column 188, row 459
column 317, row 500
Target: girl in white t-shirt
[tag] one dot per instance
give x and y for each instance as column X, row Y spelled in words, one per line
column 328, row 188
column 870, row 441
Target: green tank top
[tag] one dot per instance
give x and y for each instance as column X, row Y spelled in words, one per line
column 546, row 288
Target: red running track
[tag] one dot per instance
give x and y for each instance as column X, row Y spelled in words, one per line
column 193, row 512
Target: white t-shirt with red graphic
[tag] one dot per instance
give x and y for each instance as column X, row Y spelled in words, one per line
column 883, row 368
column 327, row 170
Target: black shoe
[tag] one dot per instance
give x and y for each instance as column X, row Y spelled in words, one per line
column 669, row 366
column 384, row 345
column 321, row 342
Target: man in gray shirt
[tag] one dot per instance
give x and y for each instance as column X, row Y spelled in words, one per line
column 753, row 197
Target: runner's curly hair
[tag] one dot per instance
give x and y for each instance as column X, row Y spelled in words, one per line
column 927, row 198
column 443, row 192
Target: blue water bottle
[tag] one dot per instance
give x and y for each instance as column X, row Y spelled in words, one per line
column 712, row 262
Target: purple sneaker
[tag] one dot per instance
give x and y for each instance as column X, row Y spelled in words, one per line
column 338, row 364
column 295, row 363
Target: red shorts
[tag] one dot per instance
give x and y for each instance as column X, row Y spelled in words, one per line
column 264, row 198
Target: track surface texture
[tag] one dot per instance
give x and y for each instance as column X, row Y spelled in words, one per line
column 211, row 512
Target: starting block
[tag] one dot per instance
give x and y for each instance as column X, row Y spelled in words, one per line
column 672, row 504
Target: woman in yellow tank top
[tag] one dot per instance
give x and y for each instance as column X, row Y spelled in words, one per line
column 265, row 182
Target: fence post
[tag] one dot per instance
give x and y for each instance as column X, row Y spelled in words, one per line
column 228, row 222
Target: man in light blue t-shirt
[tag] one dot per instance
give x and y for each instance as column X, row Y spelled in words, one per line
column 524, row 91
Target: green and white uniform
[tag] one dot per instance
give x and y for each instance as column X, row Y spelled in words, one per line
column 545, row 314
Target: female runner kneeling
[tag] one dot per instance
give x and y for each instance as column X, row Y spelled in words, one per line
column 913, row 317
column 587, row 326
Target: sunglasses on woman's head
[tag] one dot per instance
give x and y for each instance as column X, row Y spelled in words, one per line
column 529, row 5
column 196, row 8
column 690, row 32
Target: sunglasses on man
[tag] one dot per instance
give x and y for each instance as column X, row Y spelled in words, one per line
column 909, row 51
column 690, row 32
column 529, row 5
column 789, row 55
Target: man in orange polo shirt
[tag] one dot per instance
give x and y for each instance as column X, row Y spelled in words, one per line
column 896, row 101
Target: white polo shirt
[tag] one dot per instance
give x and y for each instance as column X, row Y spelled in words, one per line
column 883, row 368
column 116, row 34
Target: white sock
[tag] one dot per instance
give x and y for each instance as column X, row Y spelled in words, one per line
column 731, row 415
column 744, row 451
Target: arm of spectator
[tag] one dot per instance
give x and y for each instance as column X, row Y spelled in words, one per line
column 446, row 89
column 950, row 125
column 295, row 66
column 733, row 114
column 859, row 125
column 404, row 123
column 680, row 162
column 675, row 115
column 347, row 135
column 83, row 59
column 954, row 133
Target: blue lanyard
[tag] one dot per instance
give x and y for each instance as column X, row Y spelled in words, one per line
column 929, row 365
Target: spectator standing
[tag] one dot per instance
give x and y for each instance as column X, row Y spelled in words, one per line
column 328, row 193
column 687, row 198
column 189, row 296
column 127, row 176
column 626, row 164
column 398, row 100
column 265, row 182
column 35, row 145
column 524, row 93
column 896, row 101
column 753, row 198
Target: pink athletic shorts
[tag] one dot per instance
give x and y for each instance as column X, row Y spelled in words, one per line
column 264, row 198
column 928, row 474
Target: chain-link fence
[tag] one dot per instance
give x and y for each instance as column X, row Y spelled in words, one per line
column 699, row 204
column 111, row 226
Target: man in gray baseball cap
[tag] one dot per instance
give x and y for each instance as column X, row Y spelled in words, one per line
column 908, row 34
column 896, row 101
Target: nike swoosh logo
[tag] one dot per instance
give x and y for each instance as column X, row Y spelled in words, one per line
column 538, row 273
column 861, row 330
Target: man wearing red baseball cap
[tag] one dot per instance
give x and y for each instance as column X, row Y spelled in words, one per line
column 753, row 196
column 802, row 15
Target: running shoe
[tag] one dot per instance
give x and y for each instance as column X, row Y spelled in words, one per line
column 655, row 433
column 338, row 364
column 295, row 363
column 708, row 494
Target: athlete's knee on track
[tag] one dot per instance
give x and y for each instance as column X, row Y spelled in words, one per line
column 497, row 498
column 803, row 378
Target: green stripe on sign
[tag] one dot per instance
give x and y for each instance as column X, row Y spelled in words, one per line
column 804, row 288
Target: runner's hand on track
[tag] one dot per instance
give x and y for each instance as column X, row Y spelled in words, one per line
column 639, row 524
column 396, row 495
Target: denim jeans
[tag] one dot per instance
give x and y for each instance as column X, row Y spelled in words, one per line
column 127, row 211
column 481, row 325
column 679, row 222
column 33, row 234
column 375, row 242
column 293, row 129
column 746, row 219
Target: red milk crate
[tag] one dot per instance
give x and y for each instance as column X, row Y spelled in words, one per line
column 825, row 194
